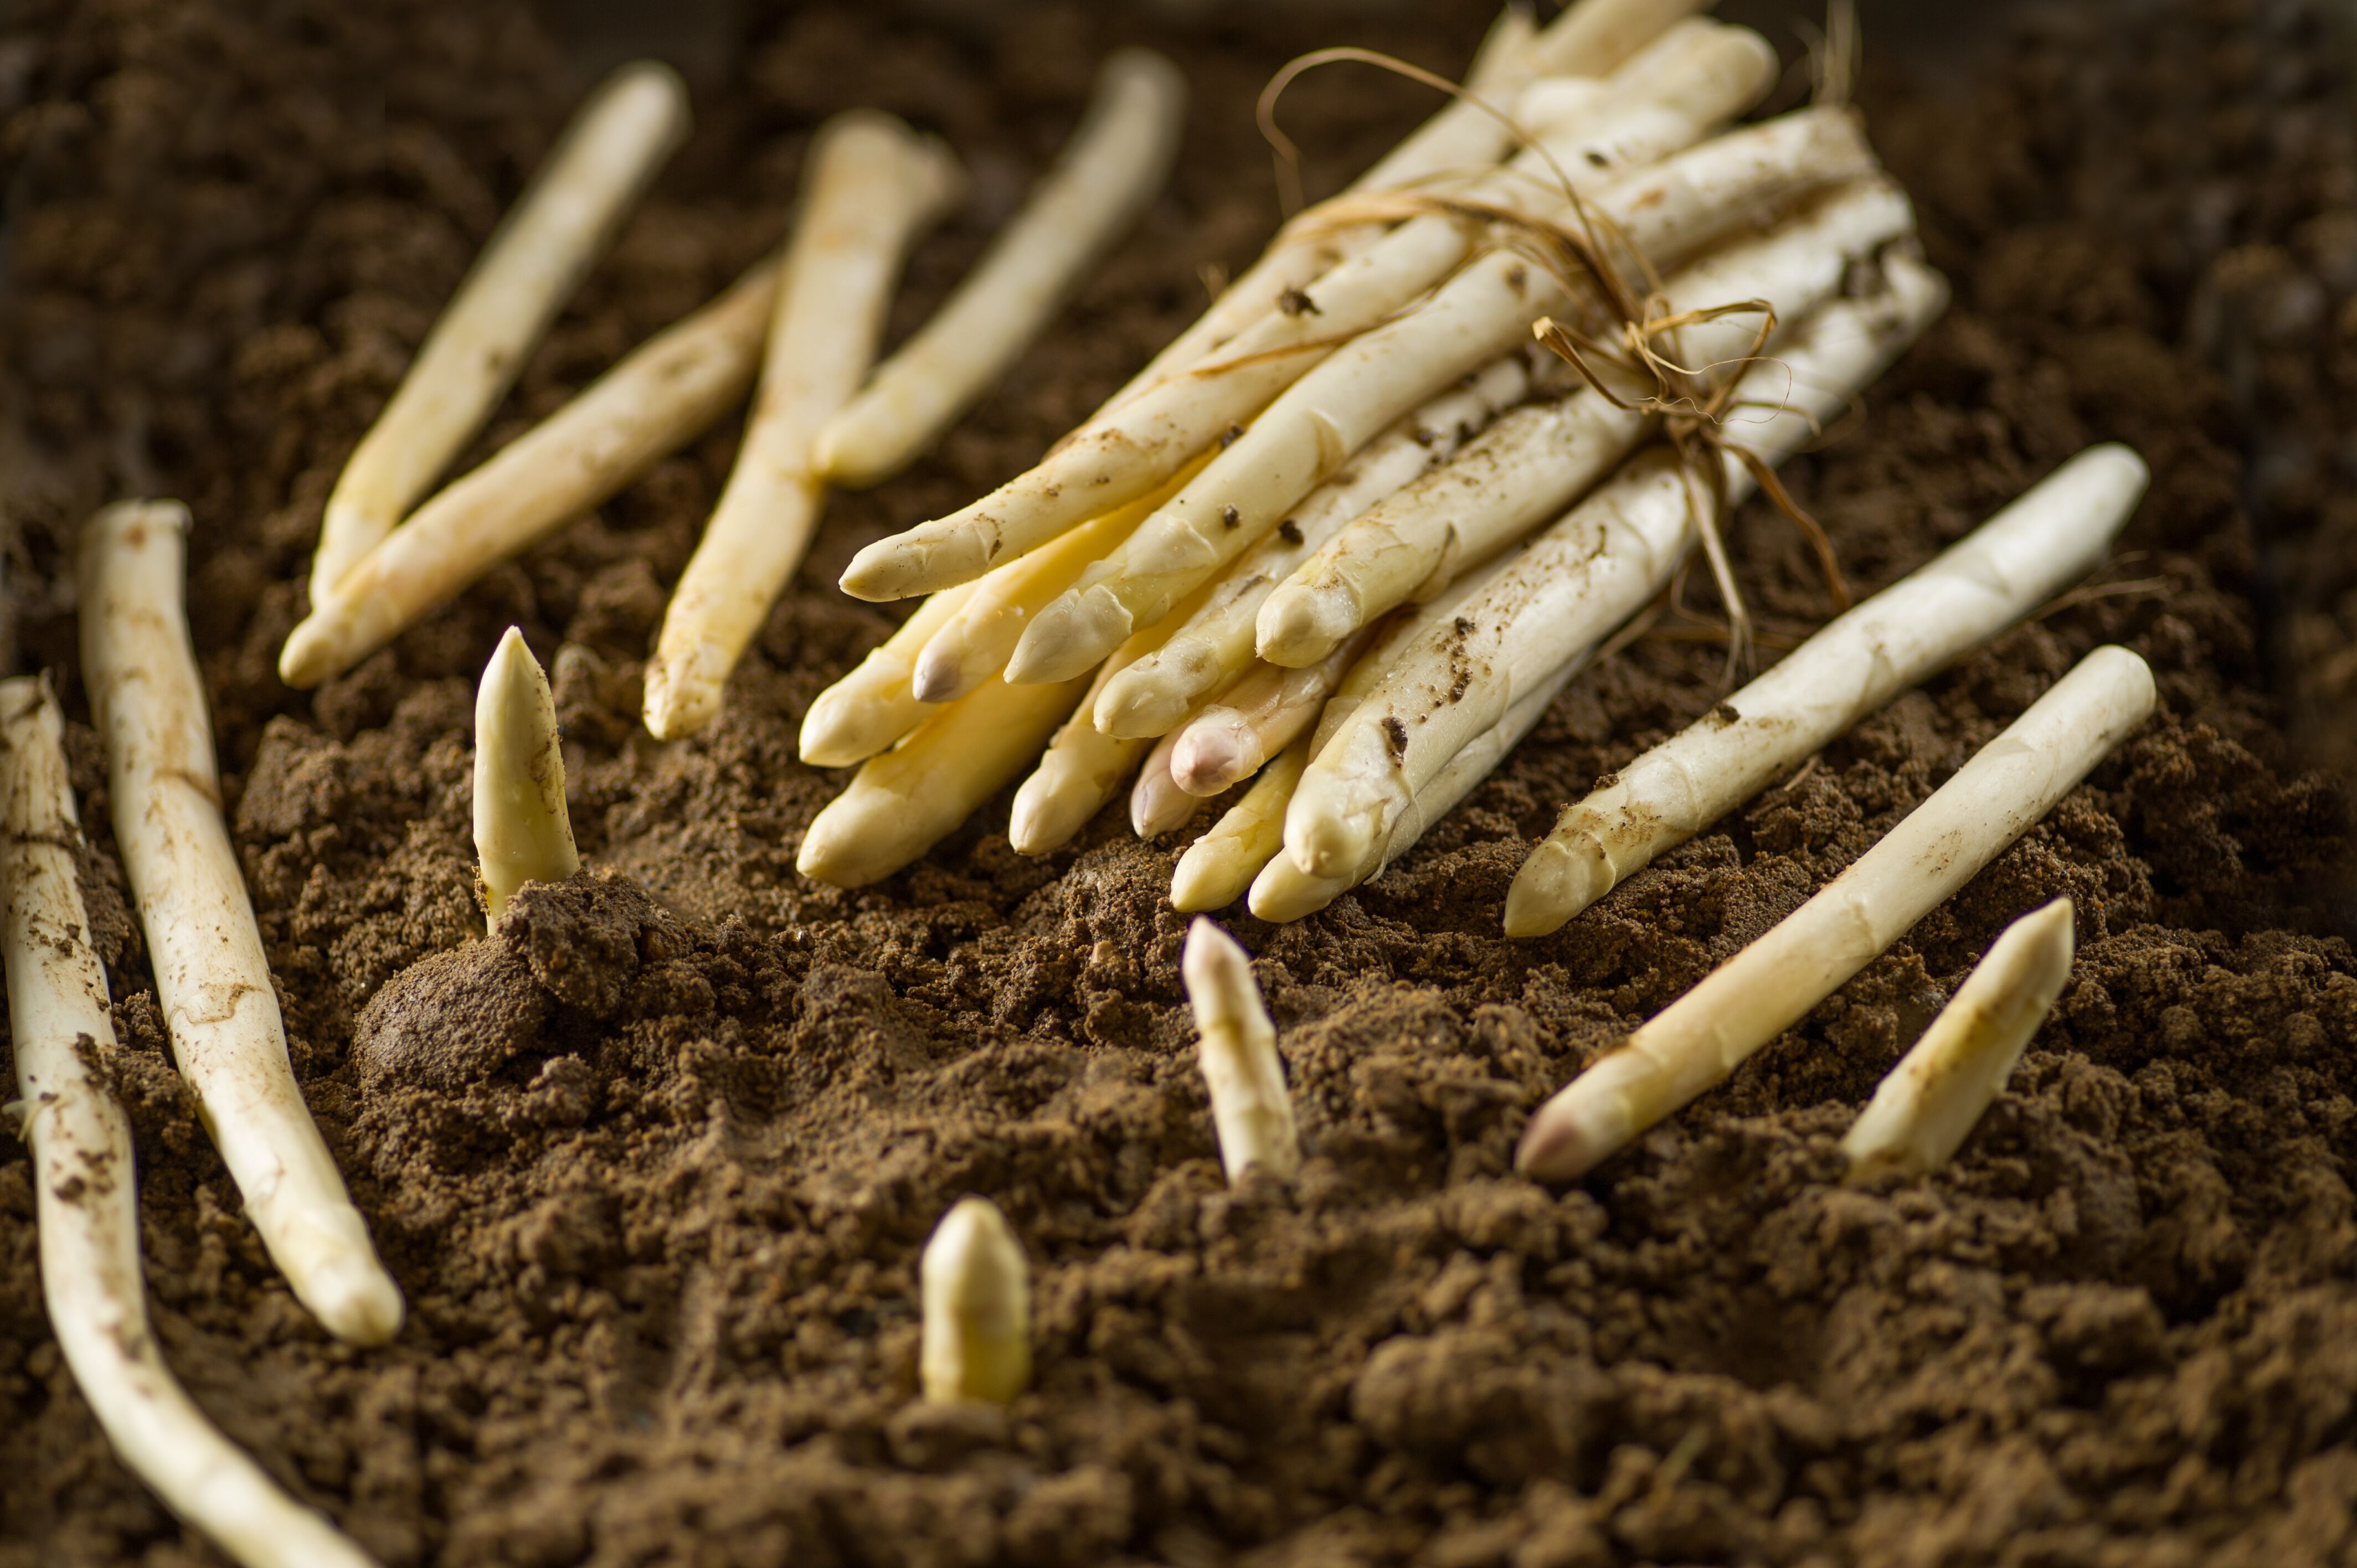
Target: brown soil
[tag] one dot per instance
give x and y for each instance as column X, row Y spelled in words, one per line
column 654, row 1160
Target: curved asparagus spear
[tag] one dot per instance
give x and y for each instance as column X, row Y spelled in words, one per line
column 1703, row 1036
column 84, row 1185
column 1331, row 412
column 873, row 186
column 2050, row 537
column 1584, row 576
column 1108, row 173
column 211, row 974
column 560, row 226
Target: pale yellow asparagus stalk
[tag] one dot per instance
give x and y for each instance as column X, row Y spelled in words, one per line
column 522, row 832
column 1537, row 460
column 1590, row 38
column 84, row 1183
column 873, row 186
column 660, row 396
column 901, row 803
column 2048, row 539
column 1312, row 429
column 1083, row 767
column 1108, row 174
column 1208, row 647
column 558, row 229
column 876, row 703
column 1284, row 892
column 1703, row 1036
column 212, row 976
column 1236, row 1049
column 1157, row 804
column 1922, row 1110
column 1259, row 716
column 1588, row 573
column 1219, row 867
column 976, row 1292
column 1138, row 442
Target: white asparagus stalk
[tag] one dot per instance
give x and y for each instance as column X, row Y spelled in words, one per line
column 1157, row 804
column 1537, row 460
column 522, row 832
column 1703, row 1036
column 660, row 396
column 1107, row 175
column 1924, row 1107
column 977, row 1308
column 1591, row 39
column 973, row 645
column 1588, row 573
column 2050, row 537
column 1321, row 419
column 538, row 256
column 1206, row 649
column 873, row 186
column 1236, row 1049
column 901, row 803
column 1283, row 892
column 211, row 974
column 876, row 703
column 1140, row 442
column 1259, row 717
column 1219, row 867
column 1083, row 767
column 84, row 1182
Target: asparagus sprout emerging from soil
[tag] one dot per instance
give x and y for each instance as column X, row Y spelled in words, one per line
column 1237, row 1050
column 212, row 976
column 1115, row 165
column 1921, row 1112
column 977, row 1308
column 1703, row 1036
column 531, row 267
column 85, row 1191
column 522, row 832
column 873, row 186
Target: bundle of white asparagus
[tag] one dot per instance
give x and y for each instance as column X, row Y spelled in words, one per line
column 1345, row 539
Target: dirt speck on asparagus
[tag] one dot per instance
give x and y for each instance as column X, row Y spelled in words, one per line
column 653, row 1159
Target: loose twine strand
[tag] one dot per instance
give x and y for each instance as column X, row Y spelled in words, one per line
column 1635, row 334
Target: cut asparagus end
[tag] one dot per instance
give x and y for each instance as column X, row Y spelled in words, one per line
column 977, row 1308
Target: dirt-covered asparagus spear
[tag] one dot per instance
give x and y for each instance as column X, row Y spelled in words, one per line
column 85, row 1185
column 537, row 258
column 1703, row 1036
column 212, row 977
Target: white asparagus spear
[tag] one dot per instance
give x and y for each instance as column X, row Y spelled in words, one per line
column 1107, row 175
column 1284, row 892
column 2048, row 539
column 84, row 1183
column 1219, row 867
column 901, row 803
column 1922, row 1108
column 662, row 395
column 211, row 974
column 876, row 703
column 1140, row 442
column 522, row 832
column 1257, row 717
column 1236, row 1047
column 1703, row 1036
column 1083, row 767
column 1321, row 419
column 1205, row 648
column 537, row 257
column 1591, row 39
column 1537, row 460
column 1588, row 573
column 977, row 1308
column 873, row 185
